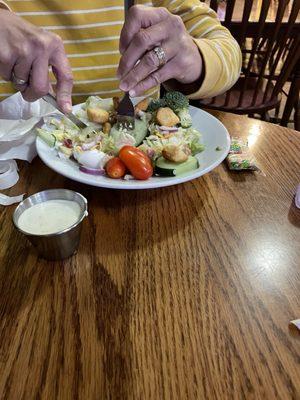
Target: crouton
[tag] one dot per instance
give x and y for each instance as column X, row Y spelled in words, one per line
column 142, row 105
column 166, row 117
column 176, row 153
column 97, row 115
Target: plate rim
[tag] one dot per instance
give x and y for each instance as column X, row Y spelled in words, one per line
column 123, row 185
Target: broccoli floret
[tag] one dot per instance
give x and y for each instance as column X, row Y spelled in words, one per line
column 180, row 105
column 185, row 118
column 155, row 105
column 176, row 101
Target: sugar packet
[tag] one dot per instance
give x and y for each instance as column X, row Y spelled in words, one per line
column 239, row 157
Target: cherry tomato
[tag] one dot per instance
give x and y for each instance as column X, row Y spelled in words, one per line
column 137, row 151
column 138, row 163
column 115, row 168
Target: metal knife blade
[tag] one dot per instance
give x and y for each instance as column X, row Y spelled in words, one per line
column 52, row 100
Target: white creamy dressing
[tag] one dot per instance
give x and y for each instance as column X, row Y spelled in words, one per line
column 49, row 217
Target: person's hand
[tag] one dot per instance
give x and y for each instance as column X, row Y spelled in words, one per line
column 144, row 29
column 26, row 52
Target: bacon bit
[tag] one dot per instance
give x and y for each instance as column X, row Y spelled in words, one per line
column 68, row 143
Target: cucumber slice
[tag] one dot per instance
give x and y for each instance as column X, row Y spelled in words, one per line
column 140, row 131
column 47, row 137
column 164, row 167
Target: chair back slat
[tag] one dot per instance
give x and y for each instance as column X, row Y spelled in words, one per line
column 261, row 23
column 246, row 15
column 287, row 47
column 214, row 5
column 227, row 98
column 229, row 10
column 282, row 51
column 270, row 46
column 288, row 66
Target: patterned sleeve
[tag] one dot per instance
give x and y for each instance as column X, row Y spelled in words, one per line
column 220, row 51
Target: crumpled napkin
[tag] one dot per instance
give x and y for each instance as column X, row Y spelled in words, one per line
column 18, row 118
column 296, row 323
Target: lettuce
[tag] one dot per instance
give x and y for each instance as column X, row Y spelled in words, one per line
column 192, row 137
column 97, row 102
column 196, row 147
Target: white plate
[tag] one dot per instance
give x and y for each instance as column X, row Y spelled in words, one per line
column 214, row 135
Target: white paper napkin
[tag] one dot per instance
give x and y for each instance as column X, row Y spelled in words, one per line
column 297, row 196
column 18, row 118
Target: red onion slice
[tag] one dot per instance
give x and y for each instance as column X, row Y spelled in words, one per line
column 91, row 171
column 168, row 128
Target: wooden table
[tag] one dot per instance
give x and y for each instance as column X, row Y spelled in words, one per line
column 178, row 293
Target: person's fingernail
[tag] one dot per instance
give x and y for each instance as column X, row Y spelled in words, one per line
column 132, row 93
column 68, row 107
column 123, row 86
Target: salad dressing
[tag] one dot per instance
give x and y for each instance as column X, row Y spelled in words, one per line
column 49, row 217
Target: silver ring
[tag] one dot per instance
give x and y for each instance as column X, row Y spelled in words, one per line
column 17, row 81
column 161, row 55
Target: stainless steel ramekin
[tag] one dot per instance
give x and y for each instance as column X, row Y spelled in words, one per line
column 58, row 245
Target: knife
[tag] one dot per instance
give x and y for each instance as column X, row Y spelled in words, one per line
column 52, row 100
column 125, row 113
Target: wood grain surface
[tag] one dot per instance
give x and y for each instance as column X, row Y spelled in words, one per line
column 177, row 293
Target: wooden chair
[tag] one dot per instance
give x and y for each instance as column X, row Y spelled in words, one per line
column 270, row 53
column 293, row 101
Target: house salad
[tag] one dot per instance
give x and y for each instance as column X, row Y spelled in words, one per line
column 163, row 142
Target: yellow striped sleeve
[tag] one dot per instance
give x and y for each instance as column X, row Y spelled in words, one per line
column 220, row 51
column 90, row 31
